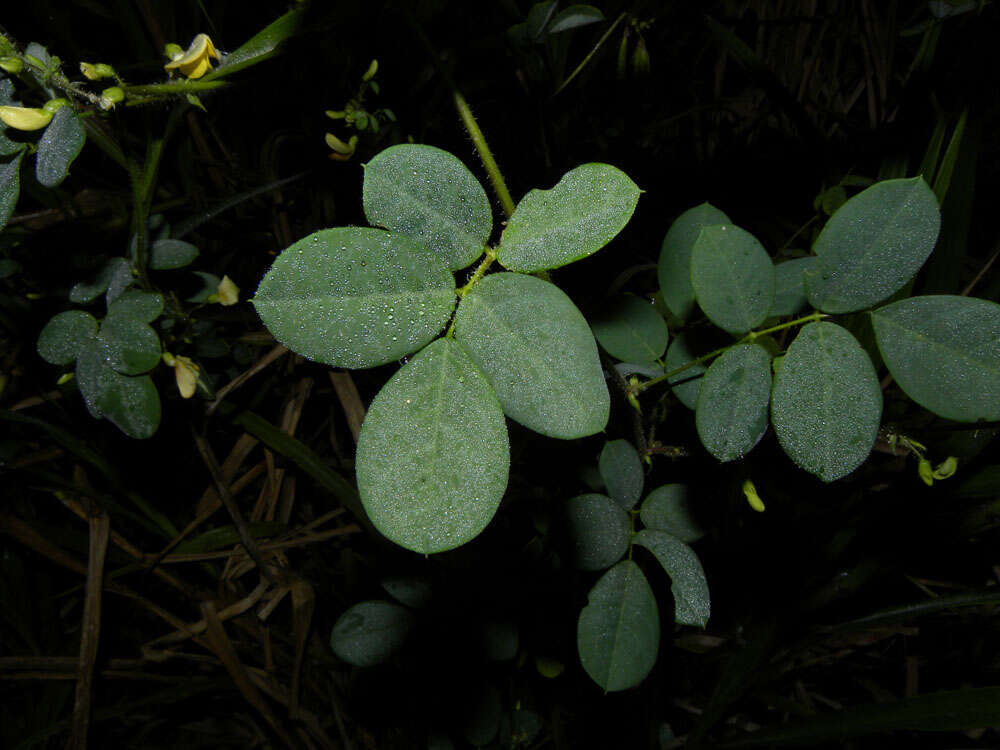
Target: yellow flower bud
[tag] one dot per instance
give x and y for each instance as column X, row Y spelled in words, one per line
column 111, row 96
column 186, row 373
column 946, row 468
column 196, row 60
column 96, row 71
column 925, row 471
column 54, row 105
column 229, row 293
column 341, row 151
column 750, row 490
column 24, row 118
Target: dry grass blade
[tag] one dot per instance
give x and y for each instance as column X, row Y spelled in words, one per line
column 100, row 528
column 303, row 606
column 243, row 377
column 223, row 647
column 190, row 631
column 234, row 512
column 350, row 399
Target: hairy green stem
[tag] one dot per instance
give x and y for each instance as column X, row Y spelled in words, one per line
column 473, row 280
column 479, row 141
column 172, row 87
column 749, row 338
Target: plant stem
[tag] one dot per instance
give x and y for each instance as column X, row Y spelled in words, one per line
column 473, row 280
column 492, row 170
column 172, row 87
column 468, row 120
column 583, row 63
column 749, row 338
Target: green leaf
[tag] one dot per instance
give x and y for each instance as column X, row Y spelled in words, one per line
column 538, row 18
column 598, row 531
column 686, row 384
column 63, row 336
column 944, row 351
column 732, row 277
column 950, row 711
column 670, row 508
column 144, row 306
column 674, row 267
column 873, row 245
column 10, row 187
column 355, row 297
column 131, row 403
column 790, row 287
column 264, row 45
column 130, row 346
column 826, row 404
column 500, row 640
column 631, row 330
column 303, row 456
column 583, row 213
column 618, row 632
column 59, row 145
column 480, row 714
column 85, row 292
column 226, row 536
column 167, row 254
column 370, row 632
column 731, row 415
column 621, row 470
column 538, row 353
column 413, row 591
column 692, row 605
column 429, row 196
column 433, row 455
column 574, row 17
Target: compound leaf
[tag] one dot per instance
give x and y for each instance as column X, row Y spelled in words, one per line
column 692, row 605
column 618, row 632
column 370, row 632
column 732, row 277
column 631, row 330
column 621, row 470
column 873, row 245
column 669, row 508
column 731, row 414
column 580, row 215
column 433, row 454
column 131, row 403
column 65, row 335
column 944, row 352
column 538, row 352
column 598, row 531
column 826, row 404
column 674, row 267
column 59, row 145
column 430, row 196
column 355, row 297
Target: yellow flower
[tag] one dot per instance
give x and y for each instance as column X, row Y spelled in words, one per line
column 229, row 293
column 196, row 61
column 186, row 372
column 24, row 118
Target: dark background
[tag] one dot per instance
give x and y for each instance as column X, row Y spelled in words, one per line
column 831, row 89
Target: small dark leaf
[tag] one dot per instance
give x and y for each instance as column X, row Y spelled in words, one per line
column 58, row 147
